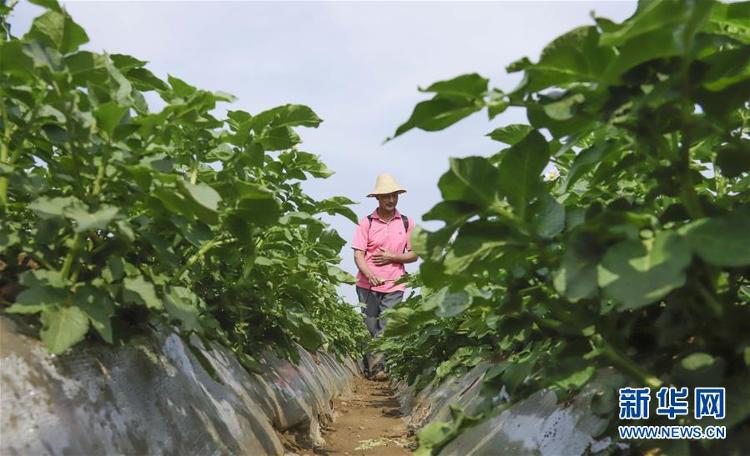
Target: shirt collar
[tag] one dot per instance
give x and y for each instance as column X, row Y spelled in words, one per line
column 375, row 215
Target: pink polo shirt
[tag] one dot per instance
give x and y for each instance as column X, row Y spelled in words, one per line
column 388, row 236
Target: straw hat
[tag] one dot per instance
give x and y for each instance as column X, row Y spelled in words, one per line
column 385, row 184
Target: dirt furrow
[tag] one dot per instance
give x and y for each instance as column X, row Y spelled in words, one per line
column 369, row 423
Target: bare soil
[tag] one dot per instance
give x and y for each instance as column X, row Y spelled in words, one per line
column 369, row 423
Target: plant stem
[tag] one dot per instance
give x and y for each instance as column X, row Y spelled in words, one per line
column 70, row 257
column 100, row 175
column 710, row 299
column 624, row 363
column 4, row 148
column 194, row 175
column 687, row 193
column 200, row 253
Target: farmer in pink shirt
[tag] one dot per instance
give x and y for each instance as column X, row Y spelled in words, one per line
column 381, row 248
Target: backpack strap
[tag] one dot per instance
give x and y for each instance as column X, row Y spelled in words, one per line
column 406, row 227
column 404, row 219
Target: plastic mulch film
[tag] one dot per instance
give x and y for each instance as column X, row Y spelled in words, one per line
column 157, row 395
column 538, row 425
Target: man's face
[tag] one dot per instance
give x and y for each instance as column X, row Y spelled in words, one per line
column 388, row 202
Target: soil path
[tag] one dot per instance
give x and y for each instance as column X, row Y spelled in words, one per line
column 369, row 423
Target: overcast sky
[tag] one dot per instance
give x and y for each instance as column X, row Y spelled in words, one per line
column 358, row 65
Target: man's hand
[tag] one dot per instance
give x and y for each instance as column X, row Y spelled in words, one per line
column 375, row 281
column 383, row 257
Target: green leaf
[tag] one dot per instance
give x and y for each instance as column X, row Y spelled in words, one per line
column 510, row 134
column 262, row 211
column 477, row 243
column 196, row 233
column 659, row 29
column 304, row 161
column 52, row 207
column 572, row 373
column 727, row 68
column 126, row 62
column 137, row 290
column 180, row 88
column 224, row 96
column 564, row 108
column 202, row 194
column 43, row 56
column 434, row 434
column 86, row 220
column 721, row 241
column 9, row 239
column 174, row 201
column 451, row 211
column 438, row 114
column 37, row 298
column 548, row 217
column 63, row 327
column 15, row 59
column 520, row 170
column 99, row 308
column 56, row 134
column 470, row 86
column 222, row 152
column 341, row 276
column 304, row 329
column 700, row 369
column 337, row 205
column 730, row 19
column 43, row 277
column 278, row 138
column 47, row 111
column 576, row 278
column 331, row 239
column 290, row 115
column 497, row 103
column 650, row 17
column 108, row 116
column 450, row 304
column 86, row 68
column 182, row 305
column 574, row 57
column 586, row 160
column 144, row 80
column 638, row 273
column 60, row 31
column 575, row 125
column 471, row 180
column 205, row 200
column 605, row 393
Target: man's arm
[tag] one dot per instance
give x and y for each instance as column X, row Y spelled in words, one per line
column 386, row 257
column 359, row 260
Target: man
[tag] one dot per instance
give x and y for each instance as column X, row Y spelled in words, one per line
column 381, row 248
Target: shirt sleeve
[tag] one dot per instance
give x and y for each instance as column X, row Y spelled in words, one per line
column 360, row 236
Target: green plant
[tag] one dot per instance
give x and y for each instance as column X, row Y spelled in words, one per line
column 114, row 216
column 637, row 256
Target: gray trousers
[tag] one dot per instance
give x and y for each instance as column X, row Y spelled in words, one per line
column 376, row 302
